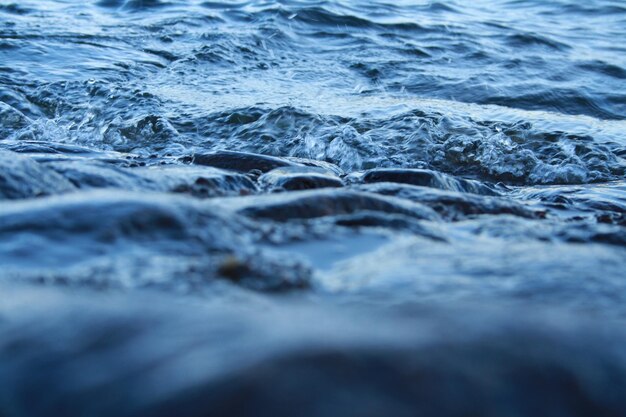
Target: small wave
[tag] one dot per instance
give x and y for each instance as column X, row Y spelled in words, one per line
column 566, row 101
column 605, row 68
column 320, row 16
column 524, row 40
column 133, row 5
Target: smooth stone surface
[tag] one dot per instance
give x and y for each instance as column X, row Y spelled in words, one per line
column 45, row 151
column 240, row 161
column 315, row 163
column 424, row 177
column 202, row 182
column 397, row 222
column 298, row 178
column 45, row 147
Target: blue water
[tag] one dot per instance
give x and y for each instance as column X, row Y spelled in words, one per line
column 316, row 208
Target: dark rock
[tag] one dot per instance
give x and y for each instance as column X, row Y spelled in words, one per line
column 240, row 161
column 612, row 218
column 426, row 178
column 389, row 221
column 199, row 182
column 299, row 178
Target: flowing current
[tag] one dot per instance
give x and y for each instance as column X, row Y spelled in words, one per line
column 312, row 208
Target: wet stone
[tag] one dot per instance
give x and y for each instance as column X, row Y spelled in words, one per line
column 426, row 178
column 607, row 201
column 37, row 147
column 324, row 165
column 611, row 234
column 240, row 161
column 397, row 222
column 199, row 182
column 299, row 178
column 86, row 174
column 612, row 218
column 53, row 151
column 550, row 230
column 116, row 239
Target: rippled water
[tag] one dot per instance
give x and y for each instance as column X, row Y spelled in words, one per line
column 319, row 208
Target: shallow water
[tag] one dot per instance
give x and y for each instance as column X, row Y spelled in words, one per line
column 312, row 207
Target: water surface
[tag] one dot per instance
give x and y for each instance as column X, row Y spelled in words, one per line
column 312, row 207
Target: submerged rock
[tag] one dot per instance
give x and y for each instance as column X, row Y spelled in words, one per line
column 322, row 203
column 298, row 178
column 604, row 199
column 315, row 163
column 240, row 161
column 424, row 177
column 106, row 239
column 397, row 222
column 184, row 179
column 44, row 151
column 549, row 230
column 33, row 147
column 90, row 174
column 453, row 205
column 200, row 182
column 21, row 177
